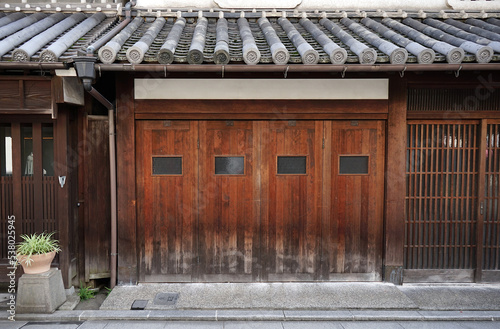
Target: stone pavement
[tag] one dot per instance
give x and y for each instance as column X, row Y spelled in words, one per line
column 253, row 325
column 283, row 305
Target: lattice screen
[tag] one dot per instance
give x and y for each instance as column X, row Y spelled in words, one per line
column 441, row 196
column 491, row 237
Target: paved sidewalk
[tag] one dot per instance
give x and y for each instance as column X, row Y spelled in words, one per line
column 329, row 304
column 253, row 325
column 309, row 296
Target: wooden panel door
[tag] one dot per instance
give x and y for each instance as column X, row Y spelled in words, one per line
column 97, row 204
column 353, row 200
column 167, row 179
column 291, row 197
column 228, row 201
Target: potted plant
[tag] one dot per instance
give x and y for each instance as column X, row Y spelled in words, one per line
column 36, row 252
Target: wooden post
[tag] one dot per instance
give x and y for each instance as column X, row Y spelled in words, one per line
column 61, row 155
column 395, row 181
column 126, row 202
column 481, row 200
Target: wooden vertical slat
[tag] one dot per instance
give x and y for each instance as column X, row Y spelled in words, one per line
column 16, row 176
column 37, row 178
column 257, row 250
column 266, row 230
column 328, row 251
column 481, row 200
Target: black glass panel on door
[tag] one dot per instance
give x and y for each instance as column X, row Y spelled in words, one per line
column 292, row 165
column 229, row 165
column 167, row 165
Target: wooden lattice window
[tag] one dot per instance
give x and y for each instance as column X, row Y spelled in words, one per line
column 491, row 232
column 479, row 98
column 441, row 195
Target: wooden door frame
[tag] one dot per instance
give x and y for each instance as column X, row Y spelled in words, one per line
column 129, row 110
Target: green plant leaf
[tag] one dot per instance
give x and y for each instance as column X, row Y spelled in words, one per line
column 36, row 244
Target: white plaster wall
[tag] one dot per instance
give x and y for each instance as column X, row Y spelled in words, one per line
column 323, row 4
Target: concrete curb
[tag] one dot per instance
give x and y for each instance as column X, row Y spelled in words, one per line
column 264, row 315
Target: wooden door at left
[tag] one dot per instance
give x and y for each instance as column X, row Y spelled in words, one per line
column 167, row 201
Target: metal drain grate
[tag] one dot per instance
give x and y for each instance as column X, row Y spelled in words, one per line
column 166, row 298
column 139, row 304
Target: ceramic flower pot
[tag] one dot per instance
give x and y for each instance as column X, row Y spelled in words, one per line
column 39, row 263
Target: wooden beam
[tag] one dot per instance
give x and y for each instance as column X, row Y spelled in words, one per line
column 275, row 108
column 395, row 180
column 437, row 276
column 125, row 146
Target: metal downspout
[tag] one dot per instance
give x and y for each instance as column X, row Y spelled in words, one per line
column 108, row 36
column 112, row 174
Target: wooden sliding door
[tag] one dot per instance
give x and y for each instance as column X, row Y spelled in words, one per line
column 490, row 205
column 167, row 194
column 353, row 200
column 228, row 207
column 249, row 201
column 291, row 198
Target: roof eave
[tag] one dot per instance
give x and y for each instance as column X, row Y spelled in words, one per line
column 243, row 68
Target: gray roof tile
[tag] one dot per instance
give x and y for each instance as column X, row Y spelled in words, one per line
column 286, row 38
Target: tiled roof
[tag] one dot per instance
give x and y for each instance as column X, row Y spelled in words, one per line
column 252, row 37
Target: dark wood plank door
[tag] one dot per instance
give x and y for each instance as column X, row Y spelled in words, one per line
column 353, row 200
column 167, row 185
column 228, row 201
column 291, row 197
column 96, row 209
